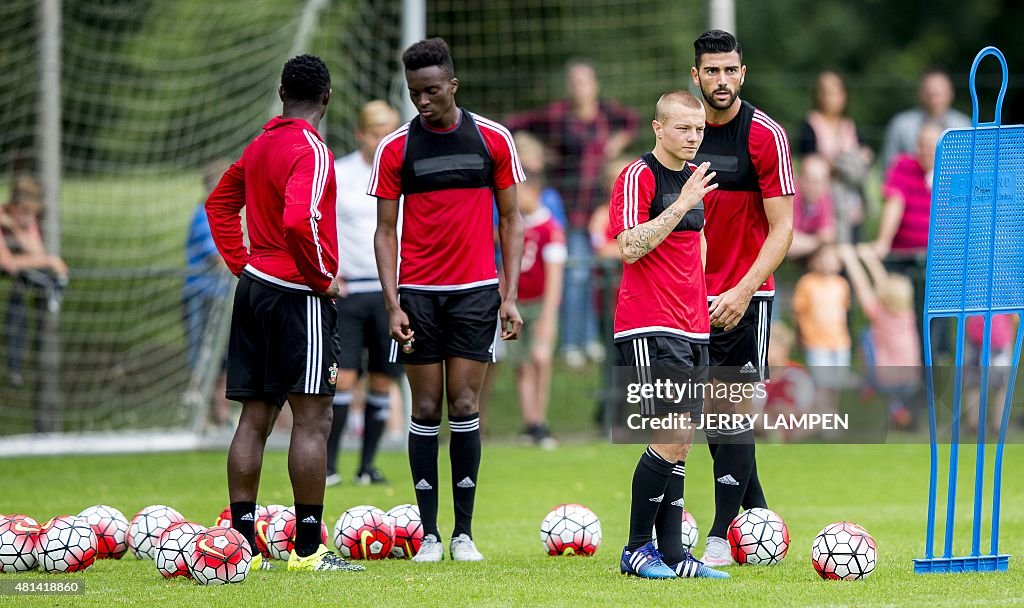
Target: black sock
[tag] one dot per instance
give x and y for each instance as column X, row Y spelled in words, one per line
column 243, row 519
column 423, row 464
column 669, row 521
column 308, row 529
column 342, row 399
column 734, row 462
column 649, row 481
column 464, row 450
column 754, row 497
column 376, row 414
column 713, row 445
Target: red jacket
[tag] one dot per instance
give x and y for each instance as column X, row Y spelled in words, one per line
column 285, row 182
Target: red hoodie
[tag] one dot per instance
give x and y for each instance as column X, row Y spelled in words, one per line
column 285, row 182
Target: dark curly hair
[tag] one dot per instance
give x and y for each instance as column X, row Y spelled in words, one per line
column 715, row 41
column 429, row 52
column 305, row 78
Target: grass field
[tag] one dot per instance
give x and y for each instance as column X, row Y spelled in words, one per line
column 882, row 487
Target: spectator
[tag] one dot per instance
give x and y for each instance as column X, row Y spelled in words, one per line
column 813, row 222
column 540, row 293
column 584, row 132
column 1000, row 360
column 830, row 133
column 207, row 284
column 821, row 302
column 39, row 278
column 791, row 389
column 891, row 344
column 935, row 96
column 908, row 197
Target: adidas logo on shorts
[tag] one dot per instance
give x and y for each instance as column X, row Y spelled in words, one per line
column 748, row 368
column 423, row 485
column 466, row 483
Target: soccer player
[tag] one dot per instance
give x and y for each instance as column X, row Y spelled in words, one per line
column 450, row 165
column 749, row 227
column 282, row 343
column 362, row 318
column 661, row 321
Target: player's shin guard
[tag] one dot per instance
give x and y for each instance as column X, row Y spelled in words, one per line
column 423, row 464
column 734, row 463
column 464, row 450
column 376, row 414
column 243, row 519
column 650, row 479
column 341, row 403
column 669, row 521
column 308, row 529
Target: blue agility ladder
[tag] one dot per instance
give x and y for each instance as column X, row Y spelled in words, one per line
column 975, row 267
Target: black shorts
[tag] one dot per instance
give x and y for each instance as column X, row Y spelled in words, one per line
column 652, row 358
column 363, row 329
column 282, row 341
column 741, row 354
column 460, row 324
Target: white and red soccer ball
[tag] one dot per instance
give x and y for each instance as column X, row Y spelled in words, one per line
column 570, row 529
column 408, row 529
column 176, row 548
column 66, row 544
column 844, row 551
column 147, row 526
column 111, row 528
column 220, row 556
column 758, row 537
column 364, row 532
column 690, row 532
column 19, row 535
column 280, row 534
column 263, row 517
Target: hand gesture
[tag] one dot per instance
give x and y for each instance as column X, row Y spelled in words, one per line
column 511, row 320
column 697, row 186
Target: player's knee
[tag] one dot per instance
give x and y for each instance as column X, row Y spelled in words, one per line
column 426, row 409
column 463, row 406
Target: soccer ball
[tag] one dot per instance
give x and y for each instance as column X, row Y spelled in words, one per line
column 364, row 532
column 224, row 519
column 176, row 548
column 570, row 529
column 147, row 526
column 758, row 537
column 220, row 556
column 408, row 528
column 844, row 551
column 263, row 517
column 280, row 534
column 66, row 544
column 689, row 531
column 18, row 537
column 111, row 528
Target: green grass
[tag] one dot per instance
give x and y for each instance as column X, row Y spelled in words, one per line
column 882, row 487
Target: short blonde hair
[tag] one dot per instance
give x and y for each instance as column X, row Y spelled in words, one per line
column 377, row 112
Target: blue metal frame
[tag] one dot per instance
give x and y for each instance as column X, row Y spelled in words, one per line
column 976, row 562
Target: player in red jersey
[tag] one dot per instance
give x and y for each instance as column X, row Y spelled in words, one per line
column 749, row 227
column 661, row 322
column 282, row 343
column 444, row 302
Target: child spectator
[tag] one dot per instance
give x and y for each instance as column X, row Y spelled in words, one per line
column 813, row 222
column 791, row 389
column 1000, row 359
column 891, row 343
column 821, row 302
column 38, row 276
column 540, row 293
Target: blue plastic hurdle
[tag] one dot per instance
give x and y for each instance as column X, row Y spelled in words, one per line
column 975, row 267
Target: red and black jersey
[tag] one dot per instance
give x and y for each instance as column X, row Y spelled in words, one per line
column 448, row 179
column 543, row 243
column 663, row 293
column 285, row 181
column 751, row 157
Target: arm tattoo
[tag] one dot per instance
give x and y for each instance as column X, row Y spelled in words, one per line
column 642, row 239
